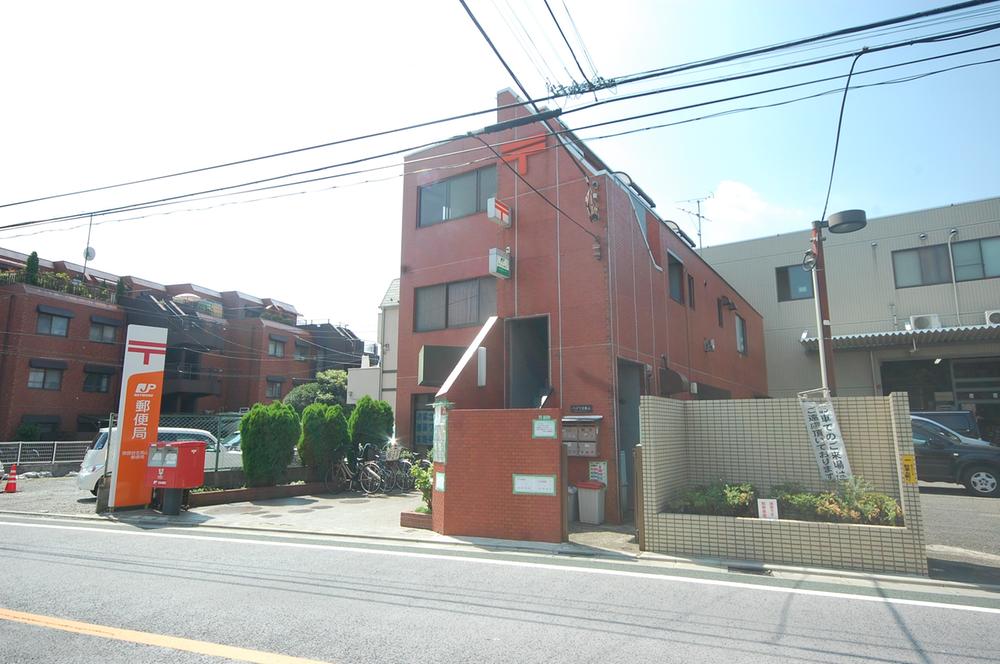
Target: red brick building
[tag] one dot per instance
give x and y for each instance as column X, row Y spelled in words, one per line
column 61, row 344
column 605, row 300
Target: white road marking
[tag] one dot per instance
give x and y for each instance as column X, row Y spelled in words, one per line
column 517, row 563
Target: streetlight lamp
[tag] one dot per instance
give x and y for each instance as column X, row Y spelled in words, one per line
column 847, row 221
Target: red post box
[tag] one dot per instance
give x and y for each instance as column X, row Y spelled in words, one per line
column 173, row 467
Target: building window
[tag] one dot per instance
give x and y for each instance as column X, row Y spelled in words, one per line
column 273, row 390
column 923, row 266
column 675, row 274
column 458, row 304
column 741, row 335
column 691, row 291
column 45, row 379
column 96, row 382
column 46, row 425
column 456, row 197
column 718, row 310
column 794, row 283
column 57, row 326
column 276, row 348
column 104, row 334
column 977, row 259
column 301, row 351
column 423, row 419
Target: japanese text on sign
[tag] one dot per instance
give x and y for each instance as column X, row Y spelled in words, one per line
column 825, row 436
column 767, row 508
column 909, row 469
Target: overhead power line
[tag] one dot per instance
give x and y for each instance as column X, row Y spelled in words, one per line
column 148, row 205
column 566, row 41
column 646, row 75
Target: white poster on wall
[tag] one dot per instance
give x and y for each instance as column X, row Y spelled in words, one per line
column 824, row 435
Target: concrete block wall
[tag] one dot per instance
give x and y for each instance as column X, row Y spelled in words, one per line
column 765, row 442
column 485, row 449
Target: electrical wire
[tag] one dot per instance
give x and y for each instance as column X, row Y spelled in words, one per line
column 648, row 74
column 540, row 194
column 149, row 204
column 566, row 41
column 840, row 123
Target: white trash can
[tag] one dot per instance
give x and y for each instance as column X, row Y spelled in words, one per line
column 572, row 506
column 591, row 495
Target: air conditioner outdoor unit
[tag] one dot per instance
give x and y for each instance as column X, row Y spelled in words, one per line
column 925, row 321
column 993, row 317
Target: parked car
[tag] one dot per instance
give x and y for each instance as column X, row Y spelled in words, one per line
column 92, row 468
column 961, row 422
column 948, row 432
column 946, row 458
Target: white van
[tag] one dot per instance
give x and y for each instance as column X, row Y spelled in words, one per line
column 92, row 468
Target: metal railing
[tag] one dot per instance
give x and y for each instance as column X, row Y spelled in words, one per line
column 43, row 453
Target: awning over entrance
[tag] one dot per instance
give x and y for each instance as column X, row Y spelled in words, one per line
column 899, row 338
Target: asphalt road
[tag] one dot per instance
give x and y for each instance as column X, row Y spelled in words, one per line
column 326, row 600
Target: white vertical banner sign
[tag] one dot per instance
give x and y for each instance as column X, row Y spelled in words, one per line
column 138, row 415
column 824, row 435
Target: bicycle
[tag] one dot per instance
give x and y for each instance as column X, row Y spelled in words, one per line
column 367, row 477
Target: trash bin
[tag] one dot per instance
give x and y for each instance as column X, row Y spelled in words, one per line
column 591, row 495
column 572, row 511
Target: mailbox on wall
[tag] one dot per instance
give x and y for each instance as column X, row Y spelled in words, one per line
column 579, row 434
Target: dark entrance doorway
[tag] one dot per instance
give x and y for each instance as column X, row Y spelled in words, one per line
column 630, row 387
column 971, row 384
column 528, row 362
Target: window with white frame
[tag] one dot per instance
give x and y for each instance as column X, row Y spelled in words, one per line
column 273, row 389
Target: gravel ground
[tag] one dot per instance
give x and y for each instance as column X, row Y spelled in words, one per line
column 51, row 495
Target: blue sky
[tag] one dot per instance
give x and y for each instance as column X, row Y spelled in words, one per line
column 113, row 91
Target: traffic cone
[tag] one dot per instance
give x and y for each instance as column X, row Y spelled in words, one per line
column 11, row 480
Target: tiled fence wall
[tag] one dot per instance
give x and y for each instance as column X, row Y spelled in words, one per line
column 687, row 443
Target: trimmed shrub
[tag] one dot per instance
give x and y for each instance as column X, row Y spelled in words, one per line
column 369, row 422
column 324, row 436
column 268, row 437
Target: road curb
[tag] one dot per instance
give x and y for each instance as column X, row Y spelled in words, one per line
column 570, row 550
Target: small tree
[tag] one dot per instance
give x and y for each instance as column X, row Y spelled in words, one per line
column 31, row 269
column 332, row 387
column 369, row 422
column 119, row 290
column 302, row 396
column 268, row 434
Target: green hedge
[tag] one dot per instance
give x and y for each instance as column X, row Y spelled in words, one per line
column 324, row 436
column 268, row 435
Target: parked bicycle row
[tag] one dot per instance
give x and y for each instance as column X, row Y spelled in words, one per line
column 375, row 469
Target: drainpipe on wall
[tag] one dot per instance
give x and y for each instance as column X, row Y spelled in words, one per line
column 954, row 284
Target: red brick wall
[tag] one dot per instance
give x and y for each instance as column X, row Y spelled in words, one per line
column 19, row 342
column 599, row 311
column 485, row 449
